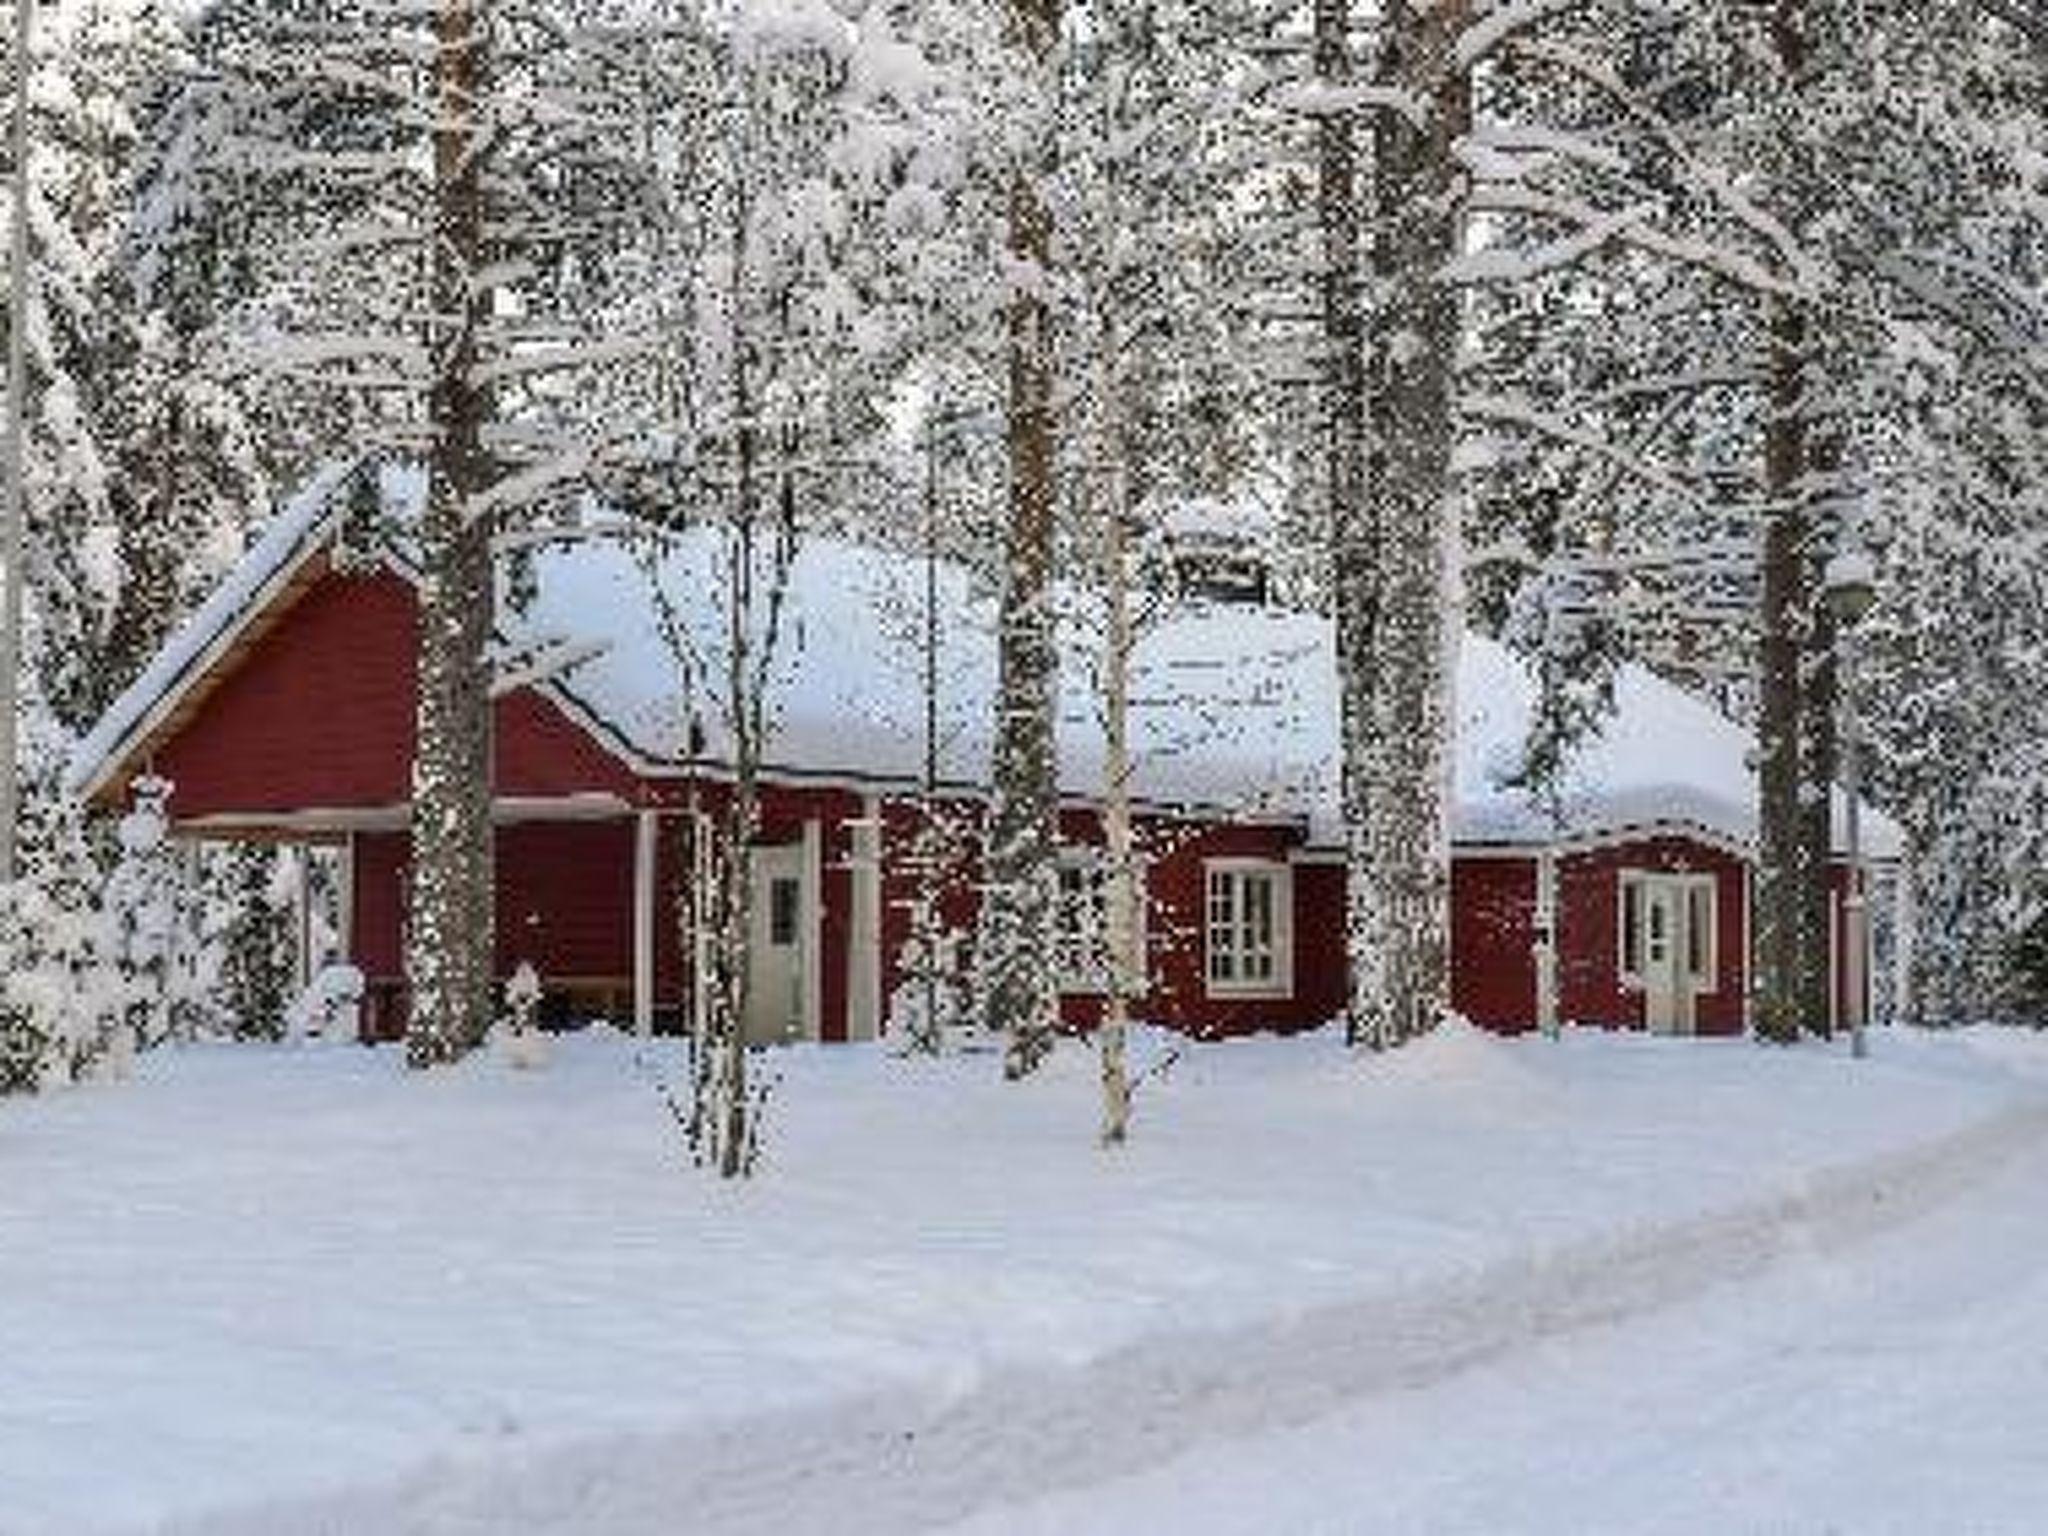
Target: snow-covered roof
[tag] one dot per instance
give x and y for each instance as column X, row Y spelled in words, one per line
column 1234, row 707
column 1663, row 755
column 1247, row 517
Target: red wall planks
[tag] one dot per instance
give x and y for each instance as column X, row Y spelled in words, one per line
column 1493, row 926
column 319, row 716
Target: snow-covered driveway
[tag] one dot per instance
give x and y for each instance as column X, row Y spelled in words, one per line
column 1895, row 1385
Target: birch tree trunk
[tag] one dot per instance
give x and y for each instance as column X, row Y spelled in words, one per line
column 729, row 1135
column 1416, row 229
column 1022, row 846
column 449, row 952
column 761, row 543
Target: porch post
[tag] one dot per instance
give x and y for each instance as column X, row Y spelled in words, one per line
column 813, row 908
column 1748, row 946
column 877, row 960
column 646, row 830
column 305, row 962
column 864, row 929
column 1546, row 941
column 345, row 900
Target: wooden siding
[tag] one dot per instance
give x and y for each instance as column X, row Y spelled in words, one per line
column 1493, row 926
column 319, row 716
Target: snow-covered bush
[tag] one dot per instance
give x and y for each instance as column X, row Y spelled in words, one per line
column 59, row 1006
column 2029, row 958
column 330, row 1008
column 931, row 1010
column 162, row 980
column 252, row 893
column 101, row 949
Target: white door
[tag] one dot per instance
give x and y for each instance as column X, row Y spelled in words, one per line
column 775, row 955
column 1666, row 997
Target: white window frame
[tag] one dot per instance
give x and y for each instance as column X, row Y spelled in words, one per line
column 1627, row 960
column 1706, row 980
column 1237, row 871
column 1083, row 974
column 1628, row 937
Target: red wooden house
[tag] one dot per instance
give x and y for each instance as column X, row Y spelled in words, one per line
column 283, row 710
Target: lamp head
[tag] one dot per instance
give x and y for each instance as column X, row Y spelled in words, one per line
column 1851, row 583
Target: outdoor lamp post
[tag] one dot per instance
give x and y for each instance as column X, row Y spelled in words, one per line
column 14, row 514
column 1851, row 590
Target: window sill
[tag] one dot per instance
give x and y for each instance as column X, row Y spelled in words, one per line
column 1097, row 988
column 1263, row 991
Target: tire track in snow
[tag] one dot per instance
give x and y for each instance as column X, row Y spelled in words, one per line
column 905, row 1459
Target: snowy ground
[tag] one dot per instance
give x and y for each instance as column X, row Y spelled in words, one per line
column 1896, row 1387
column 303, row 1290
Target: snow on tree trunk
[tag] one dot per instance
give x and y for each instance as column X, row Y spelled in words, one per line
column 1125, row 963
column 760, row 545
column 1017, row 940
column 1786, row 603
column 928, row 1007
column 1779, row 913
column 15, row 513
column 1818, row 759
column 1797, row 688
column 730, row 1133
column 724, row 1128
column 1352, row 529
column 1411, row 400
column 449, row 953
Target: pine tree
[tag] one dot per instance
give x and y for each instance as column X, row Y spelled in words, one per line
column 256, row 964
column 1353, row 529
column 1411, row 404
column 451, row 939
column 1016, row 945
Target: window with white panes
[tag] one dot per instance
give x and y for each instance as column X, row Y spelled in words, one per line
column 1701, row 936
column 1248, row 927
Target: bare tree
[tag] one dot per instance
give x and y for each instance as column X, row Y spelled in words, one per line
column 756, row 387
